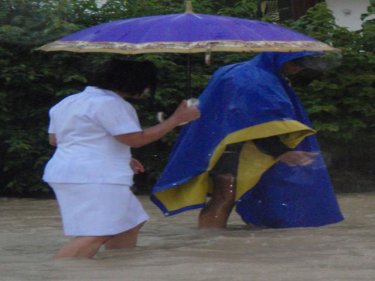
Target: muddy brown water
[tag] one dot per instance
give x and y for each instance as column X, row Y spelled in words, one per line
column 175, row 249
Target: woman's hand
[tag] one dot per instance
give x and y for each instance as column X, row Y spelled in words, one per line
column 136, row 166
column 297, row 158
column 185, row 113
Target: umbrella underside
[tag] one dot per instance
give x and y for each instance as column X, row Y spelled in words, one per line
column 187, row 47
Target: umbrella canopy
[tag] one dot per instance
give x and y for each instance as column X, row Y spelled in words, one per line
column 186, row 33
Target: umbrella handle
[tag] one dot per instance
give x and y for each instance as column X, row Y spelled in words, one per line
column 188, row 76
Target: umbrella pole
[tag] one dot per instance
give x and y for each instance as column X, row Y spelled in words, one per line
column 188, row 76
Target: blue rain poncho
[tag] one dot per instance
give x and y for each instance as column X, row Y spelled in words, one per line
column 243, row 102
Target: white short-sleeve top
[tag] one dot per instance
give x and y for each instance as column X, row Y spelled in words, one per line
column 87, row 152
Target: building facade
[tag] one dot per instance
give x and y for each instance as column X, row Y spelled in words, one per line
column 347, row 12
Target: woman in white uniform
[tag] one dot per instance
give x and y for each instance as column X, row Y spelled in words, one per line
column 92, row 170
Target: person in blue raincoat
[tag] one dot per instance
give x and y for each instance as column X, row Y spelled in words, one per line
column 253, row 148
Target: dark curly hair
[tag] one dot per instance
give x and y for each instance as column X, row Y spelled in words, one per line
column 131, row 77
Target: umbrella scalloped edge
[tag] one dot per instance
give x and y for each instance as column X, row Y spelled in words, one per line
column 187, row 47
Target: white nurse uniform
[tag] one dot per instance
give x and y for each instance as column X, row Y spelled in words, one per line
column 90, row 170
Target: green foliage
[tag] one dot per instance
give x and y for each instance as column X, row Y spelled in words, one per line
column 241, row 9
column 340, row 102
column 369, row 27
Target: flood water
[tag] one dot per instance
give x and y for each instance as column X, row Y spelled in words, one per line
column 175, row 249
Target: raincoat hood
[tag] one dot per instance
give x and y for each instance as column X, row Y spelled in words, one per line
column 274, row 61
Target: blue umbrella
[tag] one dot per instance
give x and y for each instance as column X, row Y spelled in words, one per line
column 186, row 33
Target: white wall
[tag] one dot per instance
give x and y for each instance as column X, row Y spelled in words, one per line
column 348, row 12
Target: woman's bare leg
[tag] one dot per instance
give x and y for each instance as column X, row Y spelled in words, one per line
column 83, row 247
column 218, row 209
column 123, row 240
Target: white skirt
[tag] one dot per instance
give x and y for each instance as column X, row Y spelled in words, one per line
column 98, row 209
